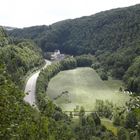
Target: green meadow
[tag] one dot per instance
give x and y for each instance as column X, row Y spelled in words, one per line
column 109, row 125
column 82, row 87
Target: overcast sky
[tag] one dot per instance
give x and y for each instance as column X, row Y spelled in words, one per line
column 23, row 13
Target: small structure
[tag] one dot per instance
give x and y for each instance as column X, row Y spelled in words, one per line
column 57, row 56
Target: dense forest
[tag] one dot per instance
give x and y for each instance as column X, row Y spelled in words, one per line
column 109, row 42
column 112, row 36
column 19, row 57
column 126, row 118
column 18, row 120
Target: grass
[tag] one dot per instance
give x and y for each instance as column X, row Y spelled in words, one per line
column 82, row 86
column 114, row 84
column 109, row 125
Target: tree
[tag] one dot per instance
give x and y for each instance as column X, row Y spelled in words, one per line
column 84, row 60
column 104, row 108
column 116, row 120
column 138, row 130
column 82, row 118
column 122, row 134
column 82, row 111
column 96, row 118
column 91, row 123
column 68, row 63
column 71, row 115
column 104, row 76
column 131, row 120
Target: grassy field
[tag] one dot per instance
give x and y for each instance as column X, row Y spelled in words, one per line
column 81, row 87
column 109, row 125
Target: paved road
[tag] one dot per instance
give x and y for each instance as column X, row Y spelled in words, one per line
column 30, row 87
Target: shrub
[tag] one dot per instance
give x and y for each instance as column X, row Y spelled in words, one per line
column 84, row 60
column 104, row 76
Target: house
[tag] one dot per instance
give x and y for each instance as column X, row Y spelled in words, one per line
column 57, row 56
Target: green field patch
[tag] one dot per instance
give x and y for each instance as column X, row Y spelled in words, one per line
column 109, row 125
column 83, row 87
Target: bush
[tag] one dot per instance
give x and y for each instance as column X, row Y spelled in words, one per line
column 69, row 63
column 117, row 120
column 122, row 134
column 84, row 60
column 104, row 76
column 95, row 66
column 104, row 108
column 131, row 120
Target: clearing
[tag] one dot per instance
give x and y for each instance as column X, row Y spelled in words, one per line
column 81, row 87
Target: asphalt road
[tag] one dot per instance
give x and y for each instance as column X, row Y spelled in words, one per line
column 30, row 88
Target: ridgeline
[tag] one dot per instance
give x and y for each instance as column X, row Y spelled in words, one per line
column 113, row 37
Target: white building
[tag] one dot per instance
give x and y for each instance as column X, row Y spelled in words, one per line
column 57, row 55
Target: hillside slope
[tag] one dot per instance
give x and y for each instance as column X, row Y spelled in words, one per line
column 19, row 57
column 112, row 36
column 18, row 120
column 3, row 37
column 106, row 30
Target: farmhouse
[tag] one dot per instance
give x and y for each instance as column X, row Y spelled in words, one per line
column 57, row 55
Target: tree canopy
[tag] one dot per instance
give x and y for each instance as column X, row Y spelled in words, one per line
column 112, row 36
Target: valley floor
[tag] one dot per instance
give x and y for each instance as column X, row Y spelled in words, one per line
column 82, row 87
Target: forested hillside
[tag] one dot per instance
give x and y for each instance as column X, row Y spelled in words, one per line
column 3, row 38
column 112, row 36
column 125, row 119
column 18, row 120
column 19, row 57
column 107, row 30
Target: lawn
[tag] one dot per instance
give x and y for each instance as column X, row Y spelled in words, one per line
column 81, row 87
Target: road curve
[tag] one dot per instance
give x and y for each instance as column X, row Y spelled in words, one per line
column 30, row 87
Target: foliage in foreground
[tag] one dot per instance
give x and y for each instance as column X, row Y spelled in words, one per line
column 21, row 121
column 126, row 118
column 19, row 59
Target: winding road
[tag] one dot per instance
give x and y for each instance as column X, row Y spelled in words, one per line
column 30, row 87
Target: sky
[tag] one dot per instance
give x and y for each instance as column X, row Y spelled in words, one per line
column 25, row 13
